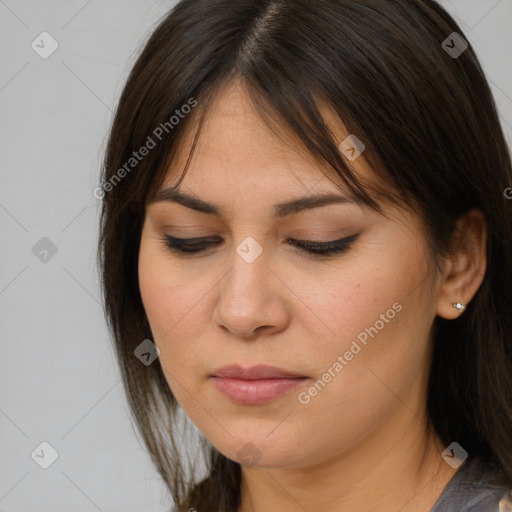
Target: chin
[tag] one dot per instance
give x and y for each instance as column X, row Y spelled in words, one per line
column 260, row 451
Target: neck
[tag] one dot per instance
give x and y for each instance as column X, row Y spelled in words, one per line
column 399, row 468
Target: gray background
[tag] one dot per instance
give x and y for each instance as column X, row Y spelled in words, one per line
column 59, row 381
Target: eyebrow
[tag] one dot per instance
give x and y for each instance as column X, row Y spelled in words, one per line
column 280, row 210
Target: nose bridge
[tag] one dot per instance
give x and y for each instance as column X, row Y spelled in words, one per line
column 249, row 275
column 248, row 297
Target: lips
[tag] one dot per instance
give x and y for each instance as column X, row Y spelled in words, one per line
column 255, row 372
column 255, row 385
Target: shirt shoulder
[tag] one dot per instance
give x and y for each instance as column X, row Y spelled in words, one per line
column 473, row 488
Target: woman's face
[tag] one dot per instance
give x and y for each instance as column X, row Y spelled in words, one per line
column 355, row 326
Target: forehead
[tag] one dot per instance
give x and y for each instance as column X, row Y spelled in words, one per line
column 237, row 154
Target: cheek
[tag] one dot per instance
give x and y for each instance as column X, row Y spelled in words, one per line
column 379, row 329
column 369, row 323
column 173, row 306
column 155, row 293
column 337, row 305
column 164, row 290
column 372, row 367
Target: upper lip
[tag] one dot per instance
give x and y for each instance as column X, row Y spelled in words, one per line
column 255, row 372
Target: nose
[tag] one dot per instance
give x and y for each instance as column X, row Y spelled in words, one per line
column 251, row 300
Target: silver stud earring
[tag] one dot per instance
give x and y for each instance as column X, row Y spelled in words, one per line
column 459, row 306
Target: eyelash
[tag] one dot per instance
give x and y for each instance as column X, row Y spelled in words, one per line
column 190, row 246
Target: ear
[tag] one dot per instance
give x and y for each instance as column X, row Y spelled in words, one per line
column 465, row 267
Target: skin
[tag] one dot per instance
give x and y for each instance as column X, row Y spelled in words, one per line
column 361, row 442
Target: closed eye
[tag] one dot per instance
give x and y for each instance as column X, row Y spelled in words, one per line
column 191, row 246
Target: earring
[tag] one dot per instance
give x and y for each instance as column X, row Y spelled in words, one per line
column 459, row 306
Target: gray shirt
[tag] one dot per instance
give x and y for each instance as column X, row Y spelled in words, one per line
column 470, row 490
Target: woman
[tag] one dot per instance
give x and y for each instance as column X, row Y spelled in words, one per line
column 306, row 248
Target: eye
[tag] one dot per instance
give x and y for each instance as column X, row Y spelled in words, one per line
column 331, row 248
column 190, row 246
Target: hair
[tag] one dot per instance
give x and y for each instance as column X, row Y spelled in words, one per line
column 431, row 131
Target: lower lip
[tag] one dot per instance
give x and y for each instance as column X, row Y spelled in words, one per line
column 254, row 392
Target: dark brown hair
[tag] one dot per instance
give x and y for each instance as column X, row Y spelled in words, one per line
column 431, row 131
